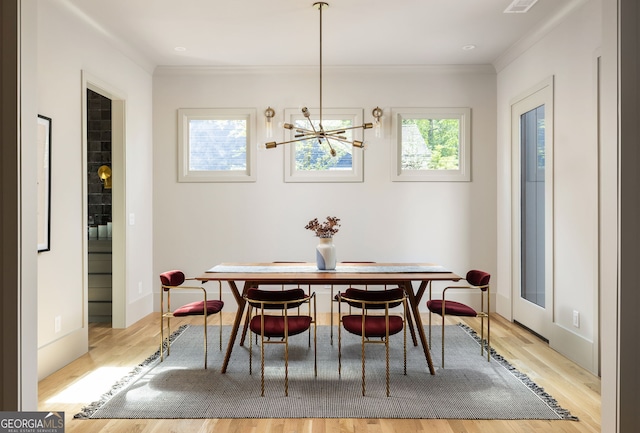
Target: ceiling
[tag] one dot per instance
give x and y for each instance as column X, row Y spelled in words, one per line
column 286, row 32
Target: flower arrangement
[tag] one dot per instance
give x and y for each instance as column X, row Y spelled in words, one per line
column 325, row 230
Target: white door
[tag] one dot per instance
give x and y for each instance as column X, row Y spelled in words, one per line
column 532, row 190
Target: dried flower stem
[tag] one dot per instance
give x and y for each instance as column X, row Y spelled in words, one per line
column 325, row 230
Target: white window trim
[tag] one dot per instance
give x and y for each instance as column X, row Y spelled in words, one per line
column 463, row 174
column 187, row 114
column 356, row 174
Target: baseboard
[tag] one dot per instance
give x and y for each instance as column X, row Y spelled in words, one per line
column 61, row 352
column 575, row 347
column 139, row 308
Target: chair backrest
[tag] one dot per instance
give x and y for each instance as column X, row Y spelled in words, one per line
column 478, row 278
column 171, row 278
column 275, row 299
column 374, row 299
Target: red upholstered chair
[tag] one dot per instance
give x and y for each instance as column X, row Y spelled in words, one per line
column 283, row 287
column 478, row 280
column 274, row 324
column 373, row 327
column 334, row 298
column 172, row 280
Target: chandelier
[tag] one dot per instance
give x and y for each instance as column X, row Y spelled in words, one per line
column 319, row 133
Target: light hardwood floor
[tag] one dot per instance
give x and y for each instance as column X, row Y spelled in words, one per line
column 113, row 352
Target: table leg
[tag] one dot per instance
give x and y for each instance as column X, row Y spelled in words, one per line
column 416, row 316
column 412, row 330
column 421, row 289
column 419, row 294
column 236, row 323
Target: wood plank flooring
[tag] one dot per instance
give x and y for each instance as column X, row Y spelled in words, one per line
column 113, row 352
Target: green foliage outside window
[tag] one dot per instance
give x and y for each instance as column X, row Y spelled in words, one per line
column 430, row 144
column 313, row 156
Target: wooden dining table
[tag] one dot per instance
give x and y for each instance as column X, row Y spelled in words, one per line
column 403, row 275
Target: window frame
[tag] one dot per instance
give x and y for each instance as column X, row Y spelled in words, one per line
column 462, row 174
column 185, row 115
column 356, row 174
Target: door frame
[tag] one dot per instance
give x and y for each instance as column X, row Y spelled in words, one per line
column 118, row 208
column 537, row 319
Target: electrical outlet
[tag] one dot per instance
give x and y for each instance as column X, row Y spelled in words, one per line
column 576, row 319
column 139, row 287
column 57, row 327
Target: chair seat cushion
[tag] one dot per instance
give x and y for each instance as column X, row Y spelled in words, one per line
column 196, row 308
column 374, row 326
column 451, row 308
column 274, row 325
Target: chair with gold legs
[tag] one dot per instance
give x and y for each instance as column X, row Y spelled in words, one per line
column 173, row 280
column 250, row 307
column 478, row 280
column 334, row 298
column 373, row 328
column 275, row 325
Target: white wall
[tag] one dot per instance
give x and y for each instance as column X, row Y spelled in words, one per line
column 66, row 47
column 569, row 54
column 198, row 225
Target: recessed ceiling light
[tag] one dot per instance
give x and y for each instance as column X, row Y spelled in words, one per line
column 519, row 6
column 180, row 49
column 468, row 47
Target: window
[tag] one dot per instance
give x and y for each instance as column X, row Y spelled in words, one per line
column 215, row 145
column 431, row 144
column 309, row 161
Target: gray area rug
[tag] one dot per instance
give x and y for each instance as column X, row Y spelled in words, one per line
column 468, row 388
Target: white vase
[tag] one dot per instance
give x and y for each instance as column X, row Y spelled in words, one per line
column 326, row 254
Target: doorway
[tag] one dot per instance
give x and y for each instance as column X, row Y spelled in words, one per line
column 99, row 220
column 101, row 199
column 532, row 252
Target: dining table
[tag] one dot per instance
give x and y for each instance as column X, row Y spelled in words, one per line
column 402, row 275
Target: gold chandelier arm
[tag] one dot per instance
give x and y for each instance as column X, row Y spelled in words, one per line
column 301, row 137
column 320, row 134
column 313, row 128
column 342, row 130
column 273, row 144
column 356, row 143
column 340, row 139
column 332, row 151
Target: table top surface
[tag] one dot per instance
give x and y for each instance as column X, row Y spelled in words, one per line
column 344, row 272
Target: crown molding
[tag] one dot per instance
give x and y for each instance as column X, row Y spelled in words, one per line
column 221, row 70
column 529, row 40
